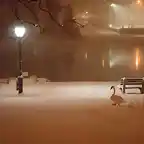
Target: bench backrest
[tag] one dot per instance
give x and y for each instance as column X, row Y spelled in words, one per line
column 132, row 81
column 4, row 80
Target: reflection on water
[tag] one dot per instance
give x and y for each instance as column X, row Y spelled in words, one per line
column 86, row 56
column 137, row 58
column 124, row 60
column 84, row 62
column 124, row 57
column 103, row 63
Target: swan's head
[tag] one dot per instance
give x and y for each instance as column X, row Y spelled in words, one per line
column 112, row 87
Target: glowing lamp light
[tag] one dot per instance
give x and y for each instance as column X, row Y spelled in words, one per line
column 138, row 2
column 110, row 25
column 20, row 31
column 113, row 5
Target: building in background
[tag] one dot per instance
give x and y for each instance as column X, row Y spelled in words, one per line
column 126, row 14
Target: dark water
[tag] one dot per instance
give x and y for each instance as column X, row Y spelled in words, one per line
column 86, row 61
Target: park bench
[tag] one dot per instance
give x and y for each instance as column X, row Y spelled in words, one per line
column 132, row 83
column 4, row 81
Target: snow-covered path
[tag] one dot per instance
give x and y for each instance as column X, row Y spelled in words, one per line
column 69, row 113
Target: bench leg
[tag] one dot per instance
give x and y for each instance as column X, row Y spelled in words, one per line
column 142, row 89
column 123, row 88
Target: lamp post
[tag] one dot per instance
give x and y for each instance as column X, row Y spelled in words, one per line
column 20, row 32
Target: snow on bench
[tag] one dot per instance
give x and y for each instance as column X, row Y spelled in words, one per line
column 132, row 83
column 4, row 81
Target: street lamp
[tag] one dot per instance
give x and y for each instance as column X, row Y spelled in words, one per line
column 19, row 33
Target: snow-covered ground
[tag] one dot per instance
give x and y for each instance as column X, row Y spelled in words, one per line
column 69, row 113
column 72, row 92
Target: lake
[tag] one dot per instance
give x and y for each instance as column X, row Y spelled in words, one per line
column 82, row 61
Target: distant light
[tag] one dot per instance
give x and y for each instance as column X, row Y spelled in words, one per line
column 103, row 63
column 139, row 2
column 85, row 15
column 113, row 5
column 86, row 55
column 19, row 31
column 125, row 26
column 111, row 63
column 110, row 25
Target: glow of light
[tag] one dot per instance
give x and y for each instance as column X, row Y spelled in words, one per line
column 113, row 5
column 111, row 64
column 126, row 26
column 110, row 25
column 137, row 58
column 85, row 15
column 86, row 55
column 19, row 31
column 103, row 63
column 138, row 2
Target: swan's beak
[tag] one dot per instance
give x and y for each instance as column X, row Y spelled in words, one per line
column 111, row 87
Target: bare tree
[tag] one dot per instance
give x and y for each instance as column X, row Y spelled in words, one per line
column 26, row 11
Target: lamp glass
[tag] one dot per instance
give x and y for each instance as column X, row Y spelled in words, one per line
column 19, row 31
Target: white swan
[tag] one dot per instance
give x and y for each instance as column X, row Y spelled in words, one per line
column 117, row 100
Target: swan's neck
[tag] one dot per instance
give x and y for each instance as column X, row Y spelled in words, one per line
column 113, row 91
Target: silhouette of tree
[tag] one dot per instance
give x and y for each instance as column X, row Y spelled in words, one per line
column 27, row 11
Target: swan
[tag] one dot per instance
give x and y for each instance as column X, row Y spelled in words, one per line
column 117, row 100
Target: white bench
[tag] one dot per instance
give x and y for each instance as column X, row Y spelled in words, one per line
column 4, row 81
column 133, row 83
